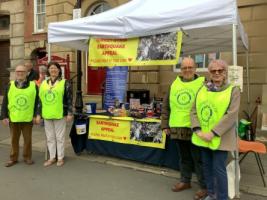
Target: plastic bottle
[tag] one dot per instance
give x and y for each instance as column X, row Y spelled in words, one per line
column 249, row 136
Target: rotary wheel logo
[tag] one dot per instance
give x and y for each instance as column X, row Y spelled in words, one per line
column 21, row 102
column 50, row 97
column 184, row 98
column 206, row 113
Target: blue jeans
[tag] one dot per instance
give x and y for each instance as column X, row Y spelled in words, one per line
column 214, row 168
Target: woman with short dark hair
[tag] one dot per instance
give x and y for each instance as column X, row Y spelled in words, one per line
column 56, row 105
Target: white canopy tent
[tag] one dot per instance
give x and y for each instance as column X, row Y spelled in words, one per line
column 208, row 26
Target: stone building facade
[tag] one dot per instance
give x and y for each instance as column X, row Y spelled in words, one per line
column 254, row 18
column 11, row 37
column 25, row 43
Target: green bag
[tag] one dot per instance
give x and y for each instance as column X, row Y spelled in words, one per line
column 243, row 127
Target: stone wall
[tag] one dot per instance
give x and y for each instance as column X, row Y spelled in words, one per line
column 61, row 10
column 16, row 34
column 254, row 18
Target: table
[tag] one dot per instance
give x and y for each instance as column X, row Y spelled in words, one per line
column 168, row 157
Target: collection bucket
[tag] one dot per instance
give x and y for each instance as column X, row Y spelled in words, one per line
column 90, row 108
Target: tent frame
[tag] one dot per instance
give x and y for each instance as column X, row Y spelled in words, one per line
column 234, row 55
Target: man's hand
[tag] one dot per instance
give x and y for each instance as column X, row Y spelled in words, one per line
column 68, row 118
column 6, row 121
column 37, row 119
column 167, row 131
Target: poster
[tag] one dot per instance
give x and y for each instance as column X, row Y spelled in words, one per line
column 147, row 133
column 115, row 87
column 109, row 129
column 235, row 76
column 142, row 132
column 161, row 49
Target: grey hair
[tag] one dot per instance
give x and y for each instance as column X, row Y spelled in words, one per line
column 218, row 62
column 189, row 59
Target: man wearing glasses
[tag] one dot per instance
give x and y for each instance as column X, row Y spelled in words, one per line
column 19, row 110
column 176, row 122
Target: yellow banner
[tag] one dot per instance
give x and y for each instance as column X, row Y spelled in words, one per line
column 127, row 130
column 161, row 49
column 109, row 130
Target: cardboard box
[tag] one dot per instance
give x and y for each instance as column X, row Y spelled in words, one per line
column 153, row 77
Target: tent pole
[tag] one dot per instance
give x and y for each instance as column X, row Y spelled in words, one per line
column 86, row 68
column 234, row 45
column 79, row 98
column 236, row 153
column 248, row 82
column 49, row 52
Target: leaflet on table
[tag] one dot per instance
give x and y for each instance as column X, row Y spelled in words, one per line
column 127, row 130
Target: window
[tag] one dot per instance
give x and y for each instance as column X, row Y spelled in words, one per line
column 39, row 15
column 99, row 8
column 4, row 22
column 96, row 76
column 201, row 60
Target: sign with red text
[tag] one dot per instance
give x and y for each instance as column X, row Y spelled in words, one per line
column 109, row 130
column 127, row 130
column 161, row 49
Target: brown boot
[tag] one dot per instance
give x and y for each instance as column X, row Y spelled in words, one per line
column 200, row 194
column 181, row 186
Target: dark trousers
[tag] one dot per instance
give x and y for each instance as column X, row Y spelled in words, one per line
column 15, row 130
column 190, row 161
column 214, row 166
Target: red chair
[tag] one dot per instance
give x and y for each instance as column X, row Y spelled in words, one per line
column 256, row 148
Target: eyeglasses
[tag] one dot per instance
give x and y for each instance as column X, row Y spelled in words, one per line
column 20, row 71
column 187, row 68
column 215, row 71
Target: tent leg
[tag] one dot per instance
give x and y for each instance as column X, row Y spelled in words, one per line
column 234, row 43
column 79, row 98
column 86, row 68
column 248, row 82
column 49, row 52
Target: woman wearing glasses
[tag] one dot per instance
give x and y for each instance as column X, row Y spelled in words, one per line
column 213, row 118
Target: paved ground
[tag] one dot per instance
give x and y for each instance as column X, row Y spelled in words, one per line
column 91, row 176
column 81, row 179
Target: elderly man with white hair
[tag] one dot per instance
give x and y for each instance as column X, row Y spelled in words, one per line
column 213, row 118
column 175, row 121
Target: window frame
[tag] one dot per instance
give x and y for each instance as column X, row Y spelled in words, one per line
column 96, row 6
column 204, row 67
column 90, row 70
column 36, row 15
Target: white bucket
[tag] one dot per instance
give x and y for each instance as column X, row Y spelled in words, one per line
column 80, row 129
column 90, row 108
